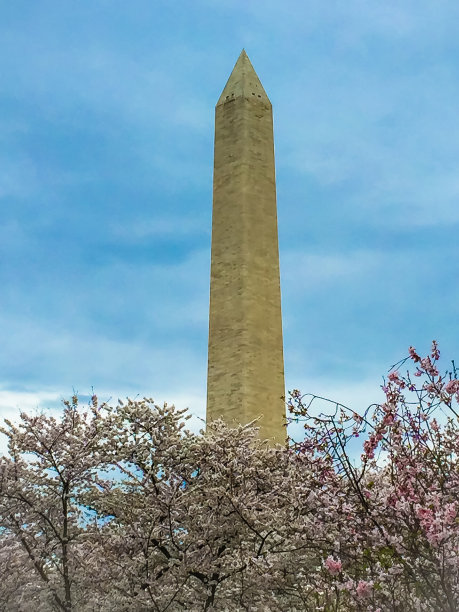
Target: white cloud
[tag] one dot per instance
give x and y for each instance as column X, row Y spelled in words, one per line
column 101, row 77
column 309, row 271
column 12, row 403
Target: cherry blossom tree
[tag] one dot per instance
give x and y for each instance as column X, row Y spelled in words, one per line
column 403, row 495
column 220, row 521
column 50, row 465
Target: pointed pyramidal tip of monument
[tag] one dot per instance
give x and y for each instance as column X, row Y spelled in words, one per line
column 243, row 82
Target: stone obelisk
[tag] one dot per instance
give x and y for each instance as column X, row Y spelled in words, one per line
column 246, row 364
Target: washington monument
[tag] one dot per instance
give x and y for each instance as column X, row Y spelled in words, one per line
column 246, row 365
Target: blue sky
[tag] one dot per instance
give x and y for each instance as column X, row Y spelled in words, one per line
column 106, row 152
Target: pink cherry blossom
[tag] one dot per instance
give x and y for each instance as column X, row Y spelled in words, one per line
column 334, row 567
column 452, row 386
column 364, row 589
